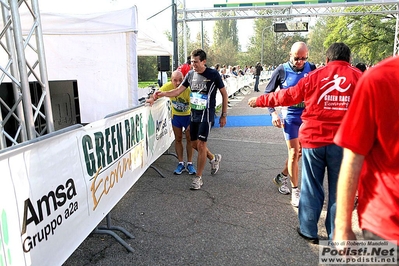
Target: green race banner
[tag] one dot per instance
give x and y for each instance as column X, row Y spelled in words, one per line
column 57, row 189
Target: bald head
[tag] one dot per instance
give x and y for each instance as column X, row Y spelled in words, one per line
column 299, row 46
column 177, row 74
column 298, row 55
column 176, row 78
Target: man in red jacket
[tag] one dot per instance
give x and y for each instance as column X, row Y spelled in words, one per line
column 327, row 92
column 184, row 68
column 369, row 136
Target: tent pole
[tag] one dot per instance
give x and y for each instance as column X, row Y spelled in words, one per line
column 175, row 61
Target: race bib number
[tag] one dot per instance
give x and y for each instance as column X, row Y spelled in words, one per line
column 198, row 101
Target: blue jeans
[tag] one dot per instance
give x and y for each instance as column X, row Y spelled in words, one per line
column 314, row 163
column 256, row 83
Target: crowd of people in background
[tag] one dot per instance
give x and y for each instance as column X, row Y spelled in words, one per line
column 227, row 71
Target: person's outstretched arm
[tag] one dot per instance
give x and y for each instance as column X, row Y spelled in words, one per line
column 171, row 93
column 346, row 192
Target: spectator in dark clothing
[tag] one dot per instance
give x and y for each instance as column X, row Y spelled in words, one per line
column 258, row 70
column 361, row 66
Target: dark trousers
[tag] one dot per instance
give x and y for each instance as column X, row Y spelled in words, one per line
column 256, row 83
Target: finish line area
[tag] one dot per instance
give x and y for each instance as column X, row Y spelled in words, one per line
column 246, row 121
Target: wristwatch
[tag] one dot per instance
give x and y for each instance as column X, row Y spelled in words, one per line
column 224, row 114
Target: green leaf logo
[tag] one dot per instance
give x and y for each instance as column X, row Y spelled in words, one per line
column 151, row 132
column 4, row 238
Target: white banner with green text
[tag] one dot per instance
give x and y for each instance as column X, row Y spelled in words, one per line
column 55, row 190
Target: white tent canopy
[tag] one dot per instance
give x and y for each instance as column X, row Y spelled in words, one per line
column 95, row 43
column 98, row 17
column 150, row 46
column 148, row 42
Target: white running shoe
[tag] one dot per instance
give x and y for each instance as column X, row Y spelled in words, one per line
column 215, row 163
column 196, row 183
column 281, row 182
column 295, row 197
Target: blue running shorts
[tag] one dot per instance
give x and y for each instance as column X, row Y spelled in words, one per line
column 291, row 127
column 181, row 121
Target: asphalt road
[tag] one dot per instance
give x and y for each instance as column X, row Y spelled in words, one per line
column 237, row 218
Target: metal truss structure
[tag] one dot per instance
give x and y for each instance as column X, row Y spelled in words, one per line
column 23, row 76
column 289, row 11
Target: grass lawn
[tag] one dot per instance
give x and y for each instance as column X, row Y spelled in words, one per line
column 145, row 84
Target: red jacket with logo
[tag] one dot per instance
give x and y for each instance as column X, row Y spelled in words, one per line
column 184, row 68
column 327, row 93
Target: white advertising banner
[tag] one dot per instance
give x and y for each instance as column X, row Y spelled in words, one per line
column 116, row 152
column 234, row 84
column 57, row 189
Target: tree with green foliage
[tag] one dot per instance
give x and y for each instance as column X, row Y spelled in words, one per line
column 226, row 30
column 147, row 68
column 224, row 54
column 317, row 36
column 370, row 37
column 276, row 46
column 225, row 45
column 205, row 45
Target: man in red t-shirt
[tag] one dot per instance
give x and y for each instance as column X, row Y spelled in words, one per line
column 327, row 93
column 369, row 136
column 184, row 68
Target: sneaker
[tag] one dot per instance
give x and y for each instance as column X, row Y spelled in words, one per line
column 215, row 163
column 281, row 182
column 191, row 169
column 295, row 197
column 179, row 169
column 196, row 183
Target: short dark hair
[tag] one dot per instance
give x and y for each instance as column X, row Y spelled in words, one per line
column 362, row 67
column 338, row 51
column 199, row 52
